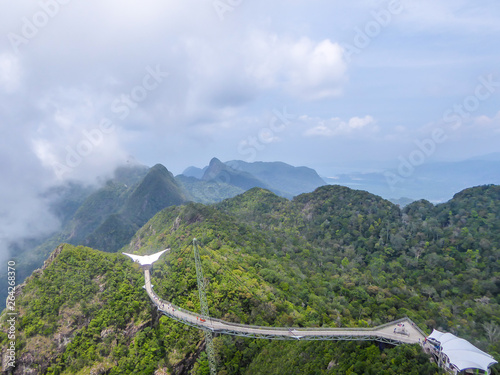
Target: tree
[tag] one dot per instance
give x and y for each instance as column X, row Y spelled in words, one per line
column 492, row 331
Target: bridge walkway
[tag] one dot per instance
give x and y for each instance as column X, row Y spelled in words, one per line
column 402, row 331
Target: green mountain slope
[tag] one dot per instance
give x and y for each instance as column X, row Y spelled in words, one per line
column 81, row 210
column 108, row 218
column 335, row 257
column 154, row 192
column 104, row 202
column 67, row 199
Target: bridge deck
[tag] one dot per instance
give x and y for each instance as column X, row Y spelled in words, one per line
column 402, row 331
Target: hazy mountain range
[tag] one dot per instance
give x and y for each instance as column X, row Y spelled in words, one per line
column 280, row 178
column 434, row 181
column 107, row 217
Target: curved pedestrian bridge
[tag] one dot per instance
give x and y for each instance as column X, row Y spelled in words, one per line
column 402, row 331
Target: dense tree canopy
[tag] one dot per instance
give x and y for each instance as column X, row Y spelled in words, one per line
column 335, row 258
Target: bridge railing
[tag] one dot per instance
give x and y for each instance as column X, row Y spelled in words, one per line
column 158, row 301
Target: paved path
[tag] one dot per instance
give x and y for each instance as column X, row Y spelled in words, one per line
column 402, row 331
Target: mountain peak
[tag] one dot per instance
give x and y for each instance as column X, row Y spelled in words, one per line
column 214, row 169
column 159, row 168
column 215, row 161
column 157, row 190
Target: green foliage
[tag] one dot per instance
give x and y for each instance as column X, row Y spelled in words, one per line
column 344, row 358
column 109, row 217
column 332, row 258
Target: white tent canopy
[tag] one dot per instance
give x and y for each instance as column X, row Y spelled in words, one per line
column 146, row 260
column 462, row 353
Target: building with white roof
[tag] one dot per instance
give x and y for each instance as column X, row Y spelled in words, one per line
column 458, row 356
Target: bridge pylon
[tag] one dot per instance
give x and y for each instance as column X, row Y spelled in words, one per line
column 209, row 344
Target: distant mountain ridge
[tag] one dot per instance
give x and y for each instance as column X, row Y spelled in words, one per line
column 106, row 218
column 157, row 190
column 281, row 176
column 218, row 171
column 118, row 209
column 194, row 172
column 110, row 215
column 434, row 181
column 278, row 177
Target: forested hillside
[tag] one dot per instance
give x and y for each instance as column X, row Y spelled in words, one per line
column 335, row 257
column 109, row 216
column 106, row 216
column 81, row 209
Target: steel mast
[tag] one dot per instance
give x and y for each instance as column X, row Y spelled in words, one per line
column 204, row 309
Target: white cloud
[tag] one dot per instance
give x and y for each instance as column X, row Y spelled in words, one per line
column 71, row 139
column 24, row 212
column 224, row 76
column 302, row 67
column 337, row 127
column 488, row 121
column 360, row 122
column 318, row 70
column 10, row 73
column 482, row 126
column 233, row 73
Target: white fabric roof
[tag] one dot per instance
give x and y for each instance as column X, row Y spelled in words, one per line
column 462, row 353
column 145, row 260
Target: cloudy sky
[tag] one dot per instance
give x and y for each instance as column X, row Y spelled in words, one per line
column 87, row 85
